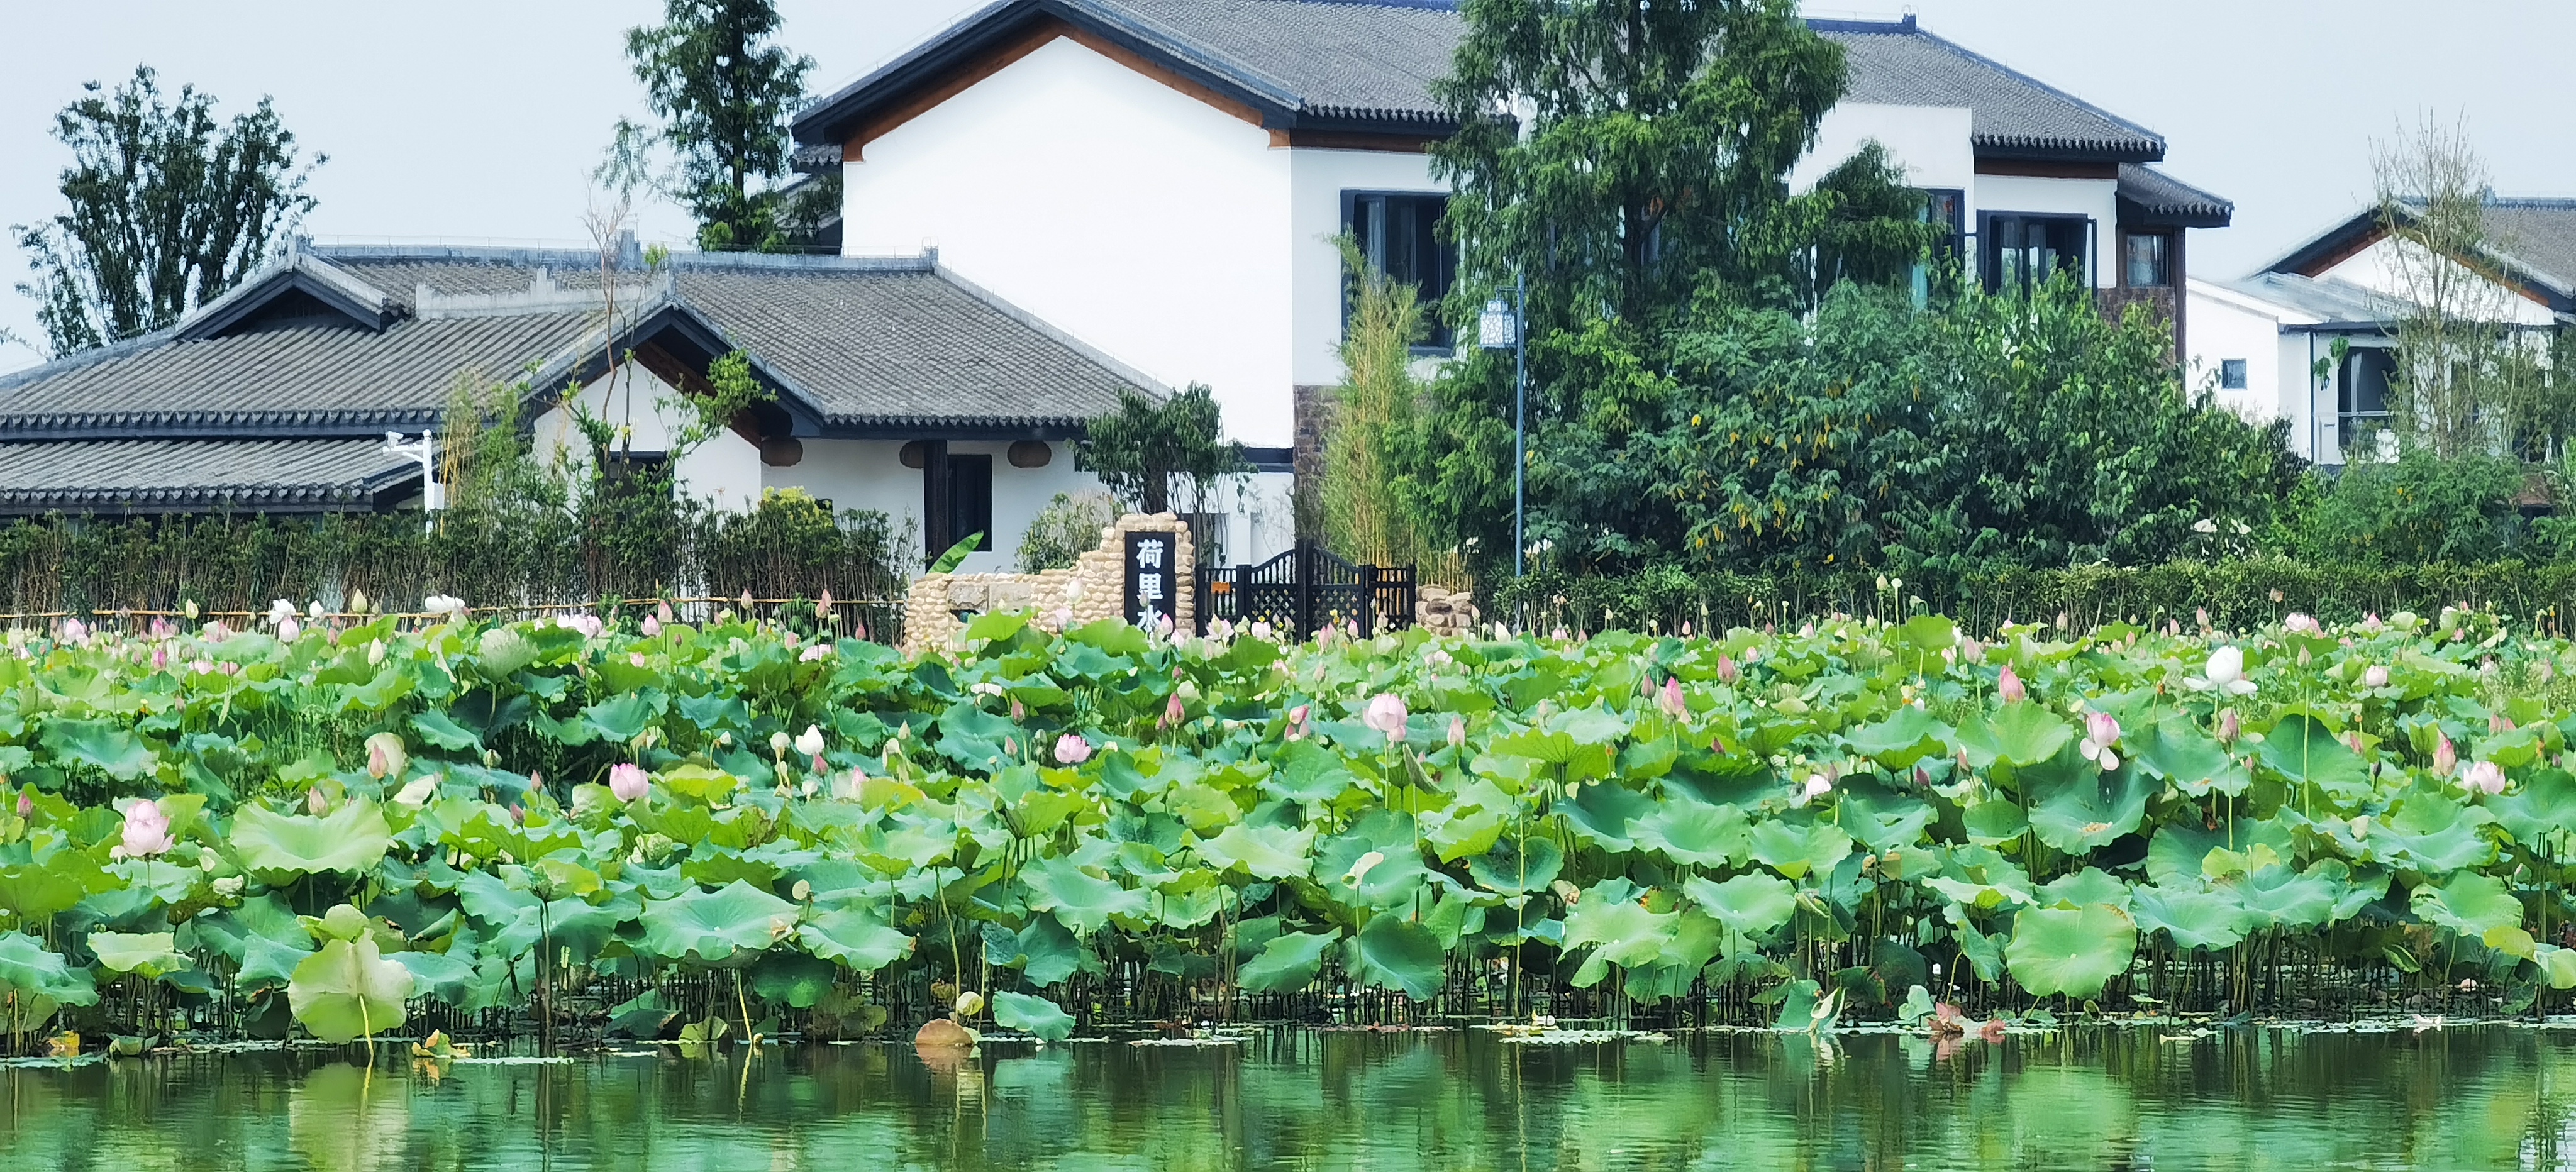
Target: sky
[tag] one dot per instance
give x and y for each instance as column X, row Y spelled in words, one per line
column 480, row 120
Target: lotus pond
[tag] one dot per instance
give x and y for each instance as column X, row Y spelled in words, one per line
column 580, row 832
column 2482, row 1097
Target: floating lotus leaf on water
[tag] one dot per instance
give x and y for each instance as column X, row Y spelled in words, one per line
column 350, row 839
column 1287, row 963
column 2074, row 951
column 2191, row 917
column 1035, row 1015
column 348, row 990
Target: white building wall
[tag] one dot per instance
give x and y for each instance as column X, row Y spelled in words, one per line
column 869, row 474
column 1931, row 142
column 2378, row 268
column 2094, row 198
column 1145, row 222
column 2229, row 325
column 724, row 471
column 1317, row 180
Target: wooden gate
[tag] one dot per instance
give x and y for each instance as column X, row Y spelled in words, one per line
column 1300, row 591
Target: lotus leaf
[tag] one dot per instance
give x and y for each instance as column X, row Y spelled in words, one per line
column 2192, row 918
column 1395, row 953
column 1751, row 905
column 1694, row 833
column 2074, row 951
column 1526, row 864
column 2020, row 733
column 1794, row 850
column 1287, row 963
column 2307, row 753
column 26, row 968
column 2545, row 804
column 348, row 990
column 2076, row 808
column 350, row 839
column 857, row 938
column 1266, row 852
column 2469, row 904
column 1035, row 1015
column 1084, row 901
column 717, row 927
column 151, row 954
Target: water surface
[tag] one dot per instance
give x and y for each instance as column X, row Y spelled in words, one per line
column 2460, row 1098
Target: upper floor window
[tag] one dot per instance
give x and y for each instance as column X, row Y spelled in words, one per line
column 2022, row 250
column 1399, row 234
column 2149, row 260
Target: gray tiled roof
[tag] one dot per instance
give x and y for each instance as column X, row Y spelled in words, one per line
column 1340, row 58
column 168, row 475
column 2539, row 235
column 2162, row 199
column 2335, row 302
column 1372, row 62
column 1897, row 63
column 290, row 415
column 295, row 381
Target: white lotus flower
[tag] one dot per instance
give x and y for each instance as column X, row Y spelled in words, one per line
column 2225, row 673
column 280, row 612
column 810, row 742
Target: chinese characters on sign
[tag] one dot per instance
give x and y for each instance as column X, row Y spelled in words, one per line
column 1151, row 587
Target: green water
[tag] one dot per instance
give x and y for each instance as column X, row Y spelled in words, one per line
column 2466, row 1098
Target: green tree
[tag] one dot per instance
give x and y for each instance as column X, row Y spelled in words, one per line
column 1630, row 160
column 1147, row 447
column 725, row 93
column 169, row 208
column 1368, row 515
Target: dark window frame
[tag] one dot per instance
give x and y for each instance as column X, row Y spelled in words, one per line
column 970, row 498
column 2163, row 261
column 2232, row 374
column 1991, row 236
column 1374, row 238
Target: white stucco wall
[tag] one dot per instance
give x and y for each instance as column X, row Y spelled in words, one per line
column 2227, row 325
column 1145, row 222
column 2096, row 198
column 869, row 474
column 1317, row 180
column 2378, row 268
column 1930, row 142
column 725, row 470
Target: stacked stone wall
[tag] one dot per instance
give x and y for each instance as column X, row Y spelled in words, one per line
column 1094, row 588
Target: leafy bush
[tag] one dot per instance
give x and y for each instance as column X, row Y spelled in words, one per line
column 2417, row 508
column 722, row 817
column 1068, row 527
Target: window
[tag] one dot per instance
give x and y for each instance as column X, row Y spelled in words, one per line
column 2150, row 260
column 1948, row 207
column 2361, row 392
column 1400, row 235
column 970, row 500
column 2022, row 250
column 2231, row 374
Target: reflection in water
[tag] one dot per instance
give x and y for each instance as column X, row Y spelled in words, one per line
column 2487, row 1097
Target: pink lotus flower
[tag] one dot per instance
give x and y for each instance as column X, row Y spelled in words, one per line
column 26, row 804
column 2100, row 733
column 2008, row 686
column 823, row 606
column 75, row 631
column 817, row 651
column 1071, row 749
column 652, row 627
column 160, row 658
column 1675, row 705
column 2301, row 624
column 2446, row 757
column 2497, row 722
column 627, row 781
column 2483, row 778
column 1457, row 732
column 1727, row 672
column 2374, row 676
column 147, row 830
column 663, row 611
column 289, row 631
column 1297, row 719
column 1386, row 714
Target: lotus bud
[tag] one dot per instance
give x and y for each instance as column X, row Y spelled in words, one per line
column 2483, row 778
column 1019, row 711
column 2498, row 723
column 823, row 606
column 160, row 658
column 1457, row 732
column 386, row 755
column 417, row 794
column 970, row 1003
column 2008, row 687
column 1674, row 703
column 289, row 631
column 2446, row 758
column 314, row 803
column 357, row 603
column 26, row 805
column 189, row 609
column 1174, row 712
column 626, row 781
column 1727, row 672
column 779, row 743
column 1071, row 749
column 518, row 815
column 2374, row 676
column 2228, row 729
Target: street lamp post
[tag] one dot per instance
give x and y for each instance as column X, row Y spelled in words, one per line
column 1502, row 327
column 425, row 450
